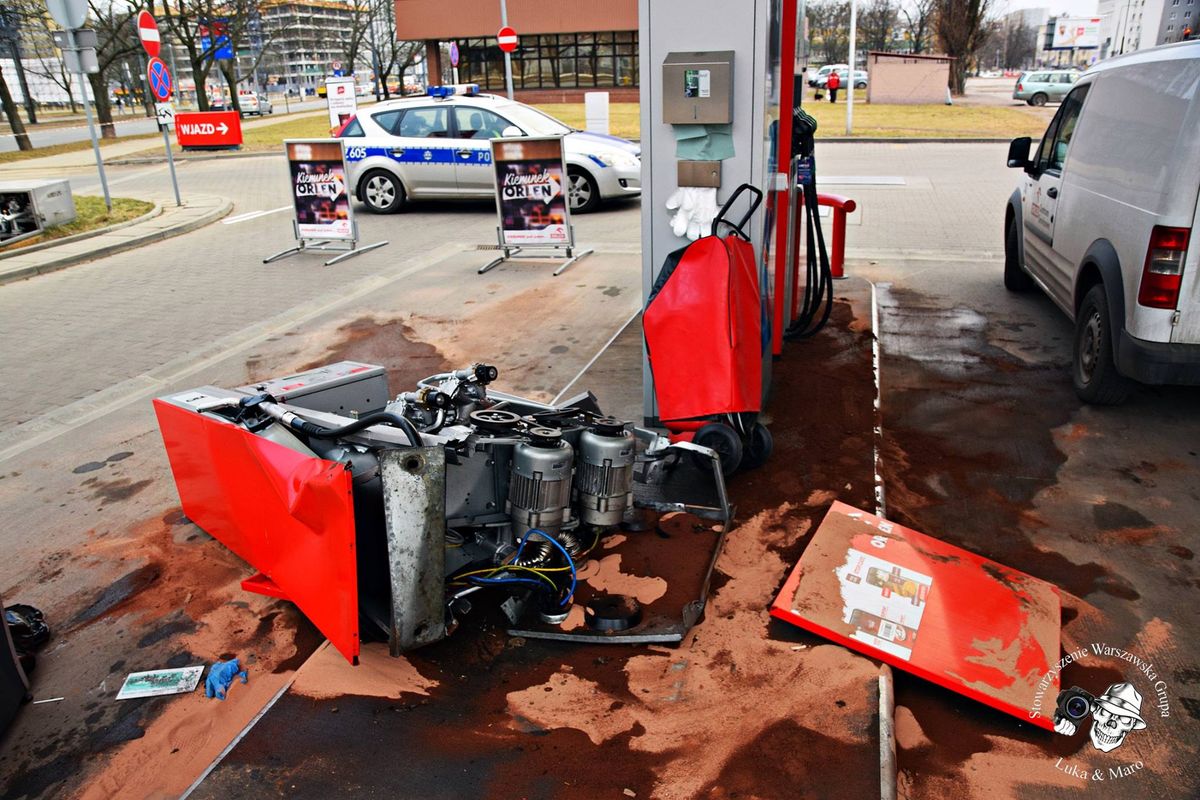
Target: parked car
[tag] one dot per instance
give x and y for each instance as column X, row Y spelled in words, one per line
column 1103, row 216
column 1045, row 86
column 822, row 74
column 860, row 79
column 256, row 104
column 430, row 147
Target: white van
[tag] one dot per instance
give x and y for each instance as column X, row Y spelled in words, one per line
column 1102, row 219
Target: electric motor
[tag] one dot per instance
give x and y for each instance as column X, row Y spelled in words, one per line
column 539, row 492
column 604, row 477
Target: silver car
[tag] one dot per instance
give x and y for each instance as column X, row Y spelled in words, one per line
column 1047, row 86
column 439, row 147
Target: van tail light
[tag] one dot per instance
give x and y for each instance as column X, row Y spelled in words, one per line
column 1020, row 88
column 1163, row 273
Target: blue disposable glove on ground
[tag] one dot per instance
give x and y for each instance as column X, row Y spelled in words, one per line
column 220, row 677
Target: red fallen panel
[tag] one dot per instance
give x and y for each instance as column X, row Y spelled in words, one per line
column 289, row 515
column 946, row 615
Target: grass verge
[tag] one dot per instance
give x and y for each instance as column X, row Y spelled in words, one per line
column 870, row 121
column 90, row 214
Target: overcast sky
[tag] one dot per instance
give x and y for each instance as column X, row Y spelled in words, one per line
column 1075, row 8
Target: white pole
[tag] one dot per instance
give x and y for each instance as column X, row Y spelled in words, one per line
column 507, row 55
column 850, row 71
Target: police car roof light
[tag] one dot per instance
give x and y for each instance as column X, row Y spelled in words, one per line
column 469, row 89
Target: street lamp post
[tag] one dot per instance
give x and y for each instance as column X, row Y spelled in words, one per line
column 850, row 69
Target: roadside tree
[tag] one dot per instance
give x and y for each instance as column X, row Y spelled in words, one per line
column 961, row 27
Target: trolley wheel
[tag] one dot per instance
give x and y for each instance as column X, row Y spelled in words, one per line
column 724, row 440
column 758, row 449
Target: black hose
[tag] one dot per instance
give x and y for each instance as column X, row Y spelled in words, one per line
column 817, row 304
column 378, row 418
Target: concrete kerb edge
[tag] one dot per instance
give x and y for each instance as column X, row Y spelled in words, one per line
column 129, row 162
column 78, row 237
column 118, row 247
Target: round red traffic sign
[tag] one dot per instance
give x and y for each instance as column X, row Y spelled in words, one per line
column 147, row 30
column 161, row 85
column 507, row 38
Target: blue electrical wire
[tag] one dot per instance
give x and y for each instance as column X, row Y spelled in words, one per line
column 561, row 549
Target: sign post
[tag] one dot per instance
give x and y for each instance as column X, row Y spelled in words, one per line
column 531, row 200
column 162, row 87
column 507, row 38
column 71, row 14
column 323, row 217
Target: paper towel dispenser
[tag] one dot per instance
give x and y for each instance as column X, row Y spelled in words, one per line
column 698, row 88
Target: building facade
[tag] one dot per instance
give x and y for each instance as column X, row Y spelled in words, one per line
column 565, row 48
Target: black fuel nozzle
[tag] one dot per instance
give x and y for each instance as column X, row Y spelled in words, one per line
column 255, row 400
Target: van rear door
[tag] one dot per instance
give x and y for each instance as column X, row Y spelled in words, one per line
column 1187, row 328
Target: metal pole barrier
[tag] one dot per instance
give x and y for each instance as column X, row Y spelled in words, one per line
column 850, row 71
column 87, row 109
column 507, row 55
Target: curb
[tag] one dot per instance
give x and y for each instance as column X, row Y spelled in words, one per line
column 117, row 247
column 33, row 248
column 126, row 162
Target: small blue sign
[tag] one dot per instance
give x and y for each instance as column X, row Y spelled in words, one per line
column 223, row 49
column 454, row 54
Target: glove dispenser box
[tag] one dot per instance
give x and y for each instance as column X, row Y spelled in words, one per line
column 698, row 88
column 699, row 173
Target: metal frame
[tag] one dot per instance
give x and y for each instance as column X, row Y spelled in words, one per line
column 512, row 251
column 347, row 247
column 326, row 245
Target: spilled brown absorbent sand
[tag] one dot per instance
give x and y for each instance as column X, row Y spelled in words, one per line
column 202, row 579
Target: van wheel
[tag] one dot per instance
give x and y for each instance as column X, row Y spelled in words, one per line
column 382, row 192
column 1094, row 372
column 1016, row 279
column 1038, row 99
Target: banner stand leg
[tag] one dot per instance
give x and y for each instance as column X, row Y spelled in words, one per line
column 326, row 246
column 354, row 251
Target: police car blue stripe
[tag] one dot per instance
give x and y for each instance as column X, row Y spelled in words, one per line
column 421, row 155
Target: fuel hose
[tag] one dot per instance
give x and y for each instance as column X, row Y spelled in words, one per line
column 817, row 302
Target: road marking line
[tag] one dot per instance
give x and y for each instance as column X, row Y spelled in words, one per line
column 249, row 215
column 596, row 357
column 877, row 437
column 262, row 712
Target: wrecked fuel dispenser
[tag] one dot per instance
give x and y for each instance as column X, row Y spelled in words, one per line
column 386, row 516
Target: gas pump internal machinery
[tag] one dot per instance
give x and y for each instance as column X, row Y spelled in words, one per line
column 395, row 511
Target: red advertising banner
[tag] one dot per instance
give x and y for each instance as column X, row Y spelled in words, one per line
column 944, row 614
column 208, row 129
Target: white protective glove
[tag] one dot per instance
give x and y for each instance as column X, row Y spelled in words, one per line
column 694, row 207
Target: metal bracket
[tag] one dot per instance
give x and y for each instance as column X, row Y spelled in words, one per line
column 414, row 504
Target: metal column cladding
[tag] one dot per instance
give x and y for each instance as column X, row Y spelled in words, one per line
column 291, row 516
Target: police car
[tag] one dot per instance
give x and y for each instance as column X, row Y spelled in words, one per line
column 437, row 146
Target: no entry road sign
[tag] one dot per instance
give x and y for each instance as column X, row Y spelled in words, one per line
column 147, row 30
column 159, row 77
column 507, row 37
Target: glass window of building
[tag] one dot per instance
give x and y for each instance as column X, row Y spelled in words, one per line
column 554, row 61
